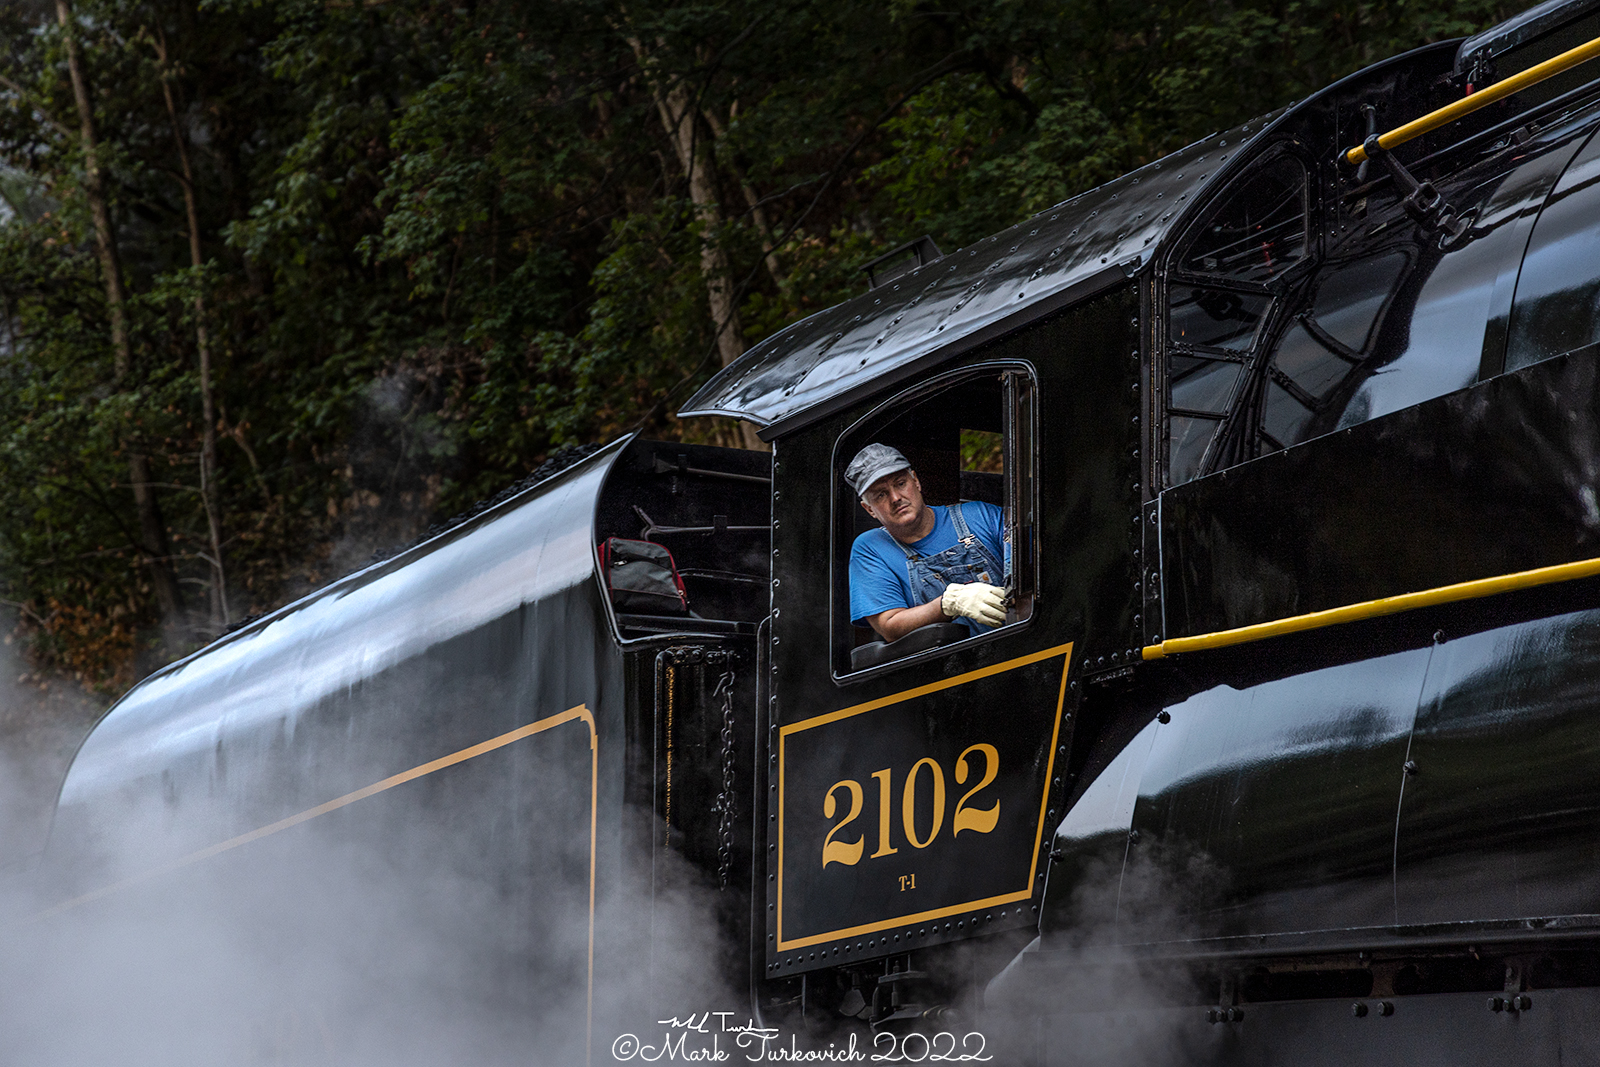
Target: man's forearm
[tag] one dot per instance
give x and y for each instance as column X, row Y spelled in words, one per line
column 897, row 622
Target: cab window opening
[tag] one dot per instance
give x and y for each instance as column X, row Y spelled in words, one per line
column 1229, row 281
column 684, row 536
column 1258, row 232
column 955, row 455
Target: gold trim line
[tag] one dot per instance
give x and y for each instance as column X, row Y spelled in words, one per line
column 1482, row 98
column 580, row 713
column 1390, row 605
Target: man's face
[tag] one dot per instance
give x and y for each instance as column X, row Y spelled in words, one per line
column 895, row 500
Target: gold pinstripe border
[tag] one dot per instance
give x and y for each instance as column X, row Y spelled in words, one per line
column 580, row 713
column 1025, row 893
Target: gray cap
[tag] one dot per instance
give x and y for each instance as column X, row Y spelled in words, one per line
column 872, row 463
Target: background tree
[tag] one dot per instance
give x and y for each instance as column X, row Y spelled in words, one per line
column 284, row 283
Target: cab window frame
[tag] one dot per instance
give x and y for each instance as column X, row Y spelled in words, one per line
column 1020, row 449
column 1277, row 293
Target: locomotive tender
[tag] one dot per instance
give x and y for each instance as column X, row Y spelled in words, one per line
column 1287, row 747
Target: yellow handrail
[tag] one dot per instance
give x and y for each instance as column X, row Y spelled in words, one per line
column 1389, row 605
column 1482, row 98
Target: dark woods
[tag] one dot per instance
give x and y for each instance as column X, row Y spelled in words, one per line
column 283, row 283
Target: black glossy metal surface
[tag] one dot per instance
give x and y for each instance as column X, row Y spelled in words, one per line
column 441, row 652
column 1271, row 808
column 1432, row 338
column 1091, row 845
column 1501, row 819
column 1489, row 480
column 1557, row 305
column 408, row 668
column 1380, row 314
column 1443, row 795
column 314, row 700
column 1519, row 31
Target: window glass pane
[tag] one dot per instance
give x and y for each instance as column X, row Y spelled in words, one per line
column 1216, row 317
column 1284, row 417
column 1306, row 360
column 1190, row 436
column 1259, row 231
column 1206, row 385
column 1349, row 299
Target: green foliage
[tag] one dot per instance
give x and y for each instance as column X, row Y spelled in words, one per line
column 440, row 241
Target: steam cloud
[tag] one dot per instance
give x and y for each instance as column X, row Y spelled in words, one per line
column 333, row 944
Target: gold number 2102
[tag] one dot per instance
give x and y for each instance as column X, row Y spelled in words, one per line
column 965, row 817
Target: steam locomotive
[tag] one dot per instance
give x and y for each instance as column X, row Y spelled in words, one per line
column 1287, row 748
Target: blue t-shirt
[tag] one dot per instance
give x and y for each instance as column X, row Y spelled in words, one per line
column 879, row 578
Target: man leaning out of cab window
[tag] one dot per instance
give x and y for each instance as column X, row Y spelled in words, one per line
column 924, row 564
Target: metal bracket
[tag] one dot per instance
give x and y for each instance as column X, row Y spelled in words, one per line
column 1423, row 202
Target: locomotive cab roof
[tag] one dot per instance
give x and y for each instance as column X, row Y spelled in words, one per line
column 970, row 296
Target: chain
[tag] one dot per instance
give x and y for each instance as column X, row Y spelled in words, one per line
column 725, row 799
column 672, row 685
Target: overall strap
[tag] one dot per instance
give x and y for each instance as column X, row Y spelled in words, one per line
column 966, row 537
column 963, row 534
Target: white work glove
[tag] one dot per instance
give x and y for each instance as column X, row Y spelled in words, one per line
column 979, row 601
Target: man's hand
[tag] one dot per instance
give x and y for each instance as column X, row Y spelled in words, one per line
column 979, row 601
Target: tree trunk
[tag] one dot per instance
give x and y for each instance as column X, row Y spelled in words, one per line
column 208, row 415
column 758, row 214
column 151, row 529
column 679, row 116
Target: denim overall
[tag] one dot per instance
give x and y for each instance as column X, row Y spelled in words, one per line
column 965, row 561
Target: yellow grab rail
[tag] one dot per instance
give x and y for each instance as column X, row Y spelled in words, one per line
column 1482, row 98
column 1389, row 605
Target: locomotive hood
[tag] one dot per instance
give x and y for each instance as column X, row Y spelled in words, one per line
column 972, row 295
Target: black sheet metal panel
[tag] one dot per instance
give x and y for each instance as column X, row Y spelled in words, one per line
column 1090, row 847
column 1379, row 312
column 932, row 813
column 1271, row 808
column 1502, row 818
column 492, row 626
column 969, row 297
column 1557, row 305
column 1012, row 690
column 1378, row 315
column 1489, row 480
column 1436, row 334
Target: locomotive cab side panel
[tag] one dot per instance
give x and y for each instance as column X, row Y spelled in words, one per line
column 908, row 799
